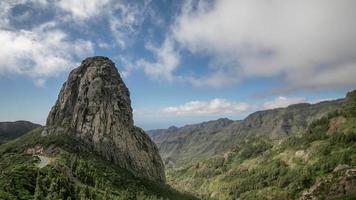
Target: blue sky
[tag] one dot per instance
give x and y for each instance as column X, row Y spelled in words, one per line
column 183, row 61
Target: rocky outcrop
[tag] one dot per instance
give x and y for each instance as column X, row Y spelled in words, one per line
column 349, row 107
column 94, row 106
column 341, row 182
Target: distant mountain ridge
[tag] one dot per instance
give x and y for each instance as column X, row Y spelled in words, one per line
column 209, row 138
column 319, row 163
column 12, row 130
column 160, row 135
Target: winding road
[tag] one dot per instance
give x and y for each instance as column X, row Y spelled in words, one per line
column 44, row 161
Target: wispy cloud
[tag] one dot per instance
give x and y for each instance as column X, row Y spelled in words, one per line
column 222, row 106
column 42, row 48
column 282, row 101
column 123, row 17
column 215, row 106
column 41, row 52
column 300, row 43
column 166, row 61
column 83, row 9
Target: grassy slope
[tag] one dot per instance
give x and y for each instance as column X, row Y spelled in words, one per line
column 275, row 169
column 74, row 173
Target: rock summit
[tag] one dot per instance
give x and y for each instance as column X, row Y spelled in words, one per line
column 94, row 106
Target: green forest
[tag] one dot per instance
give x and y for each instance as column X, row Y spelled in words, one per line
column 74, row 173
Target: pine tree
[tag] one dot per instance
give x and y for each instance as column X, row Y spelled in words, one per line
column 106, row 194
column 38, row 190
column 77, row 192
column 87, row 192
column 52, row 193
column 82, row 195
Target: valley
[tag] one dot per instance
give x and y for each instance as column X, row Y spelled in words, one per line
column 316, row 162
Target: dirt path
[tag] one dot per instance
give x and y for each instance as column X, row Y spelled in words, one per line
column 44, row 161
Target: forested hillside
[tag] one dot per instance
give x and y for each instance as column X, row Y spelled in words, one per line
column 197, row 141
column 60, row 167
column 319, row 163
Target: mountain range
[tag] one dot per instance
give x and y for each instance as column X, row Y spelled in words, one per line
column 196, row 141
column 12, row 130
column 318, row 162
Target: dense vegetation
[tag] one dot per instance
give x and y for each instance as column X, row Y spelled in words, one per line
column 73, row 173
column 261, row 168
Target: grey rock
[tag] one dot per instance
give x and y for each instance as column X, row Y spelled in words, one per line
column 341, row 167
column 94, row 105
column 335, row 185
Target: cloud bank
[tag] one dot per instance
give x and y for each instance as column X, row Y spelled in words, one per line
column 222, row 106
column 40, row 52
column 303, row 44
column 281, row 101
column 215, row 106
column 309, row 44
column 38, row 37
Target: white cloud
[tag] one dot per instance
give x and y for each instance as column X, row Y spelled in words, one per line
column 222, row 106
column 104, row 45
column 40, row 82
column 331, row 77
column 126, row 64
column 49, row 49
column 217, row 79
column 41, row 52
column 123, row 18
column 5, row 7
column 281, row 101
column 295, row 40
column 215, row 106
column 167, row 60
column 83, row 9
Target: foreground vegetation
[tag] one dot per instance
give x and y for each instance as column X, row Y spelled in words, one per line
column 73, row 173
column 260, row 168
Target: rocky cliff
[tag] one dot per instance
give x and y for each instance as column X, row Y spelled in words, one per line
column 94, row 106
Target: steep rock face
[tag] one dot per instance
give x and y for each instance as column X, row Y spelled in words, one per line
column 94, row 106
